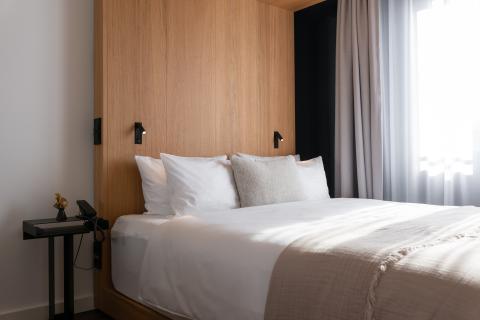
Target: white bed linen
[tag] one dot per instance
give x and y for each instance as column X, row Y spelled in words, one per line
column 219, row 266
column 129, row 237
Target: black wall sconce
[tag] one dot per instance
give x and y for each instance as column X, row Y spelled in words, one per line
column 276, row 138
column 139, row 132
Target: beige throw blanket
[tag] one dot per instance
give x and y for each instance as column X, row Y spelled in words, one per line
column 426, row 268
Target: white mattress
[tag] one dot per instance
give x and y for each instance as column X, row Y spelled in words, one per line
column 130, row 236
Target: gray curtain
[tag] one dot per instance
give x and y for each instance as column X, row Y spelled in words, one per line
column 358, row 136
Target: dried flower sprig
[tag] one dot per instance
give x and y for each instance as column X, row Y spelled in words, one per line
column 60, row 202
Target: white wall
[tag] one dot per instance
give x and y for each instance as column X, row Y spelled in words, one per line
column 46, row 111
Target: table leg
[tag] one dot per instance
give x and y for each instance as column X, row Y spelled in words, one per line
column 68, row 277
column 51, row 278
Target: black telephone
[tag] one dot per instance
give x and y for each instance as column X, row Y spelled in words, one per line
column 86, row 210
column 95, row 224
column 88, row 213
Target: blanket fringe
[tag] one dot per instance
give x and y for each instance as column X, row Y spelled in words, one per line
column 393, row 258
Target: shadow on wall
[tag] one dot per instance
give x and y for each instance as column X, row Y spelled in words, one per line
column 46, row 111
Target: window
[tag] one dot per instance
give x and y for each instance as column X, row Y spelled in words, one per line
column 446, row 85
column 430, row 77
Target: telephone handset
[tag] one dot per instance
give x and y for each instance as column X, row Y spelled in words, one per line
column 88, row 213
column 86, row 210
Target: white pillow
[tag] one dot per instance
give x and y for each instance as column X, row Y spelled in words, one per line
column 154, row 185
column 261, row 182
column 251, row 156
column 200, row 184
column 314, row 181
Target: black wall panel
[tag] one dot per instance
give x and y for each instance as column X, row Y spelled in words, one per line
column 315, row 43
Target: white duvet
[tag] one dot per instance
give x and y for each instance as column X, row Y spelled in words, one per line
column 218, row 265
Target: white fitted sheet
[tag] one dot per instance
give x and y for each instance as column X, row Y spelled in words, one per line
column 129, row 236
column 218, row 265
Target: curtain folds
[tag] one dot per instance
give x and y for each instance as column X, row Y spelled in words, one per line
column 430, row 100
column 407, row 101
column 358, row 136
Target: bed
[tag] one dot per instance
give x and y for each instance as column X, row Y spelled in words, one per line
column 201, row 88
column 346, row 259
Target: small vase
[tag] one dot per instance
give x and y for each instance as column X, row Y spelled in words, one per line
column 61, row 216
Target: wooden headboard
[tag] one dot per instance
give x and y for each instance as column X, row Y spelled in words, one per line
column 205, row 77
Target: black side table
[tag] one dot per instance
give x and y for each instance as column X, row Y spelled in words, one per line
column 51, row 228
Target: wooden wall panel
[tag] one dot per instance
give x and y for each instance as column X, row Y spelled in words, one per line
column 206, row 77
column 191, row 108
column 100, row 169
column 130, row 86
column 276, row 83
column 223, row 56
column 237, row 74
column 136, row 82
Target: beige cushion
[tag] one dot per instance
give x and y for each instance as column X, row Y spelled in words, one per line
column 261, row 182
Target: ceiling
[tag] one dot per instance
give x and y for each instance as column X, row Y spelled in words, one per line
column 293, row 5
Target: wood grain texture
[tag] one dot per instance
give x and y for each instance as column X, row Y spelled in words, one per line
column 293, row 5
column 205, row 77
column 191, row 109
column 100, row 165
column 92, row 315
column 121, row 307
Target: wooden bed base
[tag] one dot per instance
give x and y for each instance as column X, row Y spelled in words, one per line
column 205, row 77
column 120, row 307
